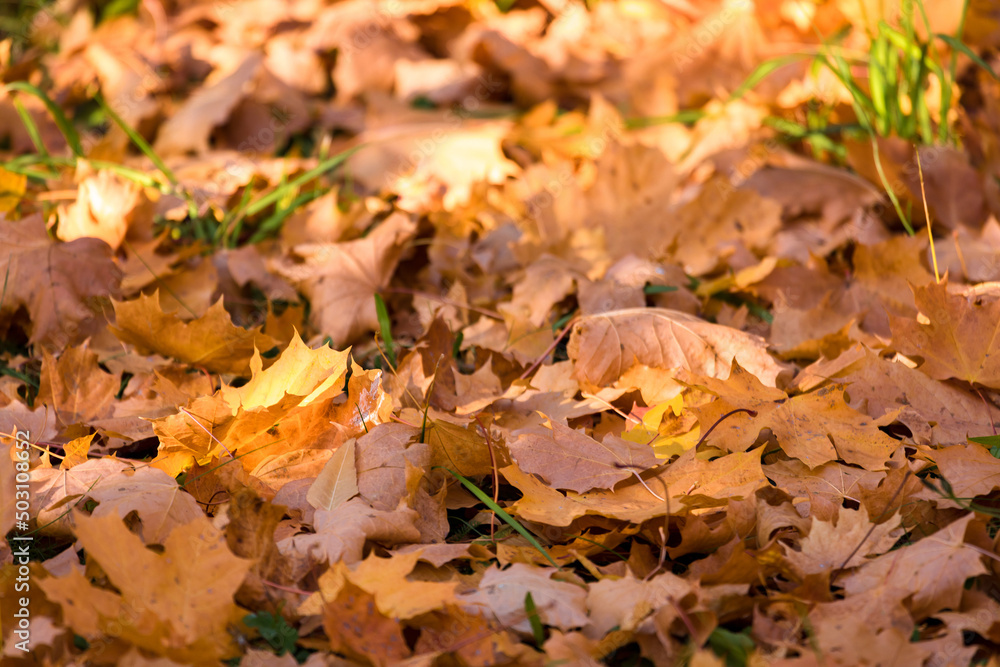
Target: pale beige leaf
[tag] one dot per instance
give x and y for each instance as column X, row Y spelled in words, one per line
column 338, row 482
column 559, row 604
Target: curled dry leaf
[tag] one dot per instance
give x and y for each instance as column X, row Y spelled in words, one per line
column 104, row 208
column 605, row 346
column 270, row 414
column 189, row 128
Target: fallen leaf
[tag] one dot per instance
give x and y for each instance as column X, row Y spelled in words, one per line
column 605, row 346
column 76, row 387
column 105, row 206
column 568, row 459
column 212, row 341
column 182, row 599
column 338, row 482
column 834, row 545
column 189, row 127
column 959, row 340
column 933, row 569
column 970, row 469
column 63, row 286
column 341, row 533
column 502, row 592
column 341, row 279
column 356, row 628
column 815, row 428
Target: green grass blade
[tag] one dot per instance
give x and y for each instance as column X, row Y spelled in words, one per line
column 67, row 129
column 29, row 124
column 385, row 327
column 763, row 71
column 508, row 519
column 957, row 45
column 888, row 188
column 988, row 440
column 952, row 67
column 233, row 220
column 537, row 631
column 315, row 172
column 905, row 43
column 682, row 117
column 23, row 165
column 31, row 173
column 273, row 223
column 877, row 82
column 137, row 139
column 134, row 175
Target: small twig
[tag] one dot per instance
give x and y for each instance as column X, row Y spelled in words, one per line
column 297, row 591
column 961, row 255
column 663, row 554
column 631, row 469
column 496, row 473
column 210, row 434
column 987, row 405
column 981, row 550
column 397, row 419
column 539, row 360
column 836, row 573
column 621, row 414
column 752, row 413
column 683, row 616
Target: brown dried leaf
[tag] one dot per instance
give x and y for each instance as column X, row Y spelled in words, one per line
column 63, row 286
column 605, row 346
column 341, row 279
column 569, row 459
column 933, row 570
column 815, row 428
column 212, row 341
column 960, row 340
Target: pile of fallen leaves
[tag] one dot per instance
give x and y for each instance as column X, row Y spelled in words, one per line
column 524, row 376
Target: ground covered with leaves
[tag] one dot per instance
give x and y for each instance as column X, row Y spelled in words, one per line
column 443, row 332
